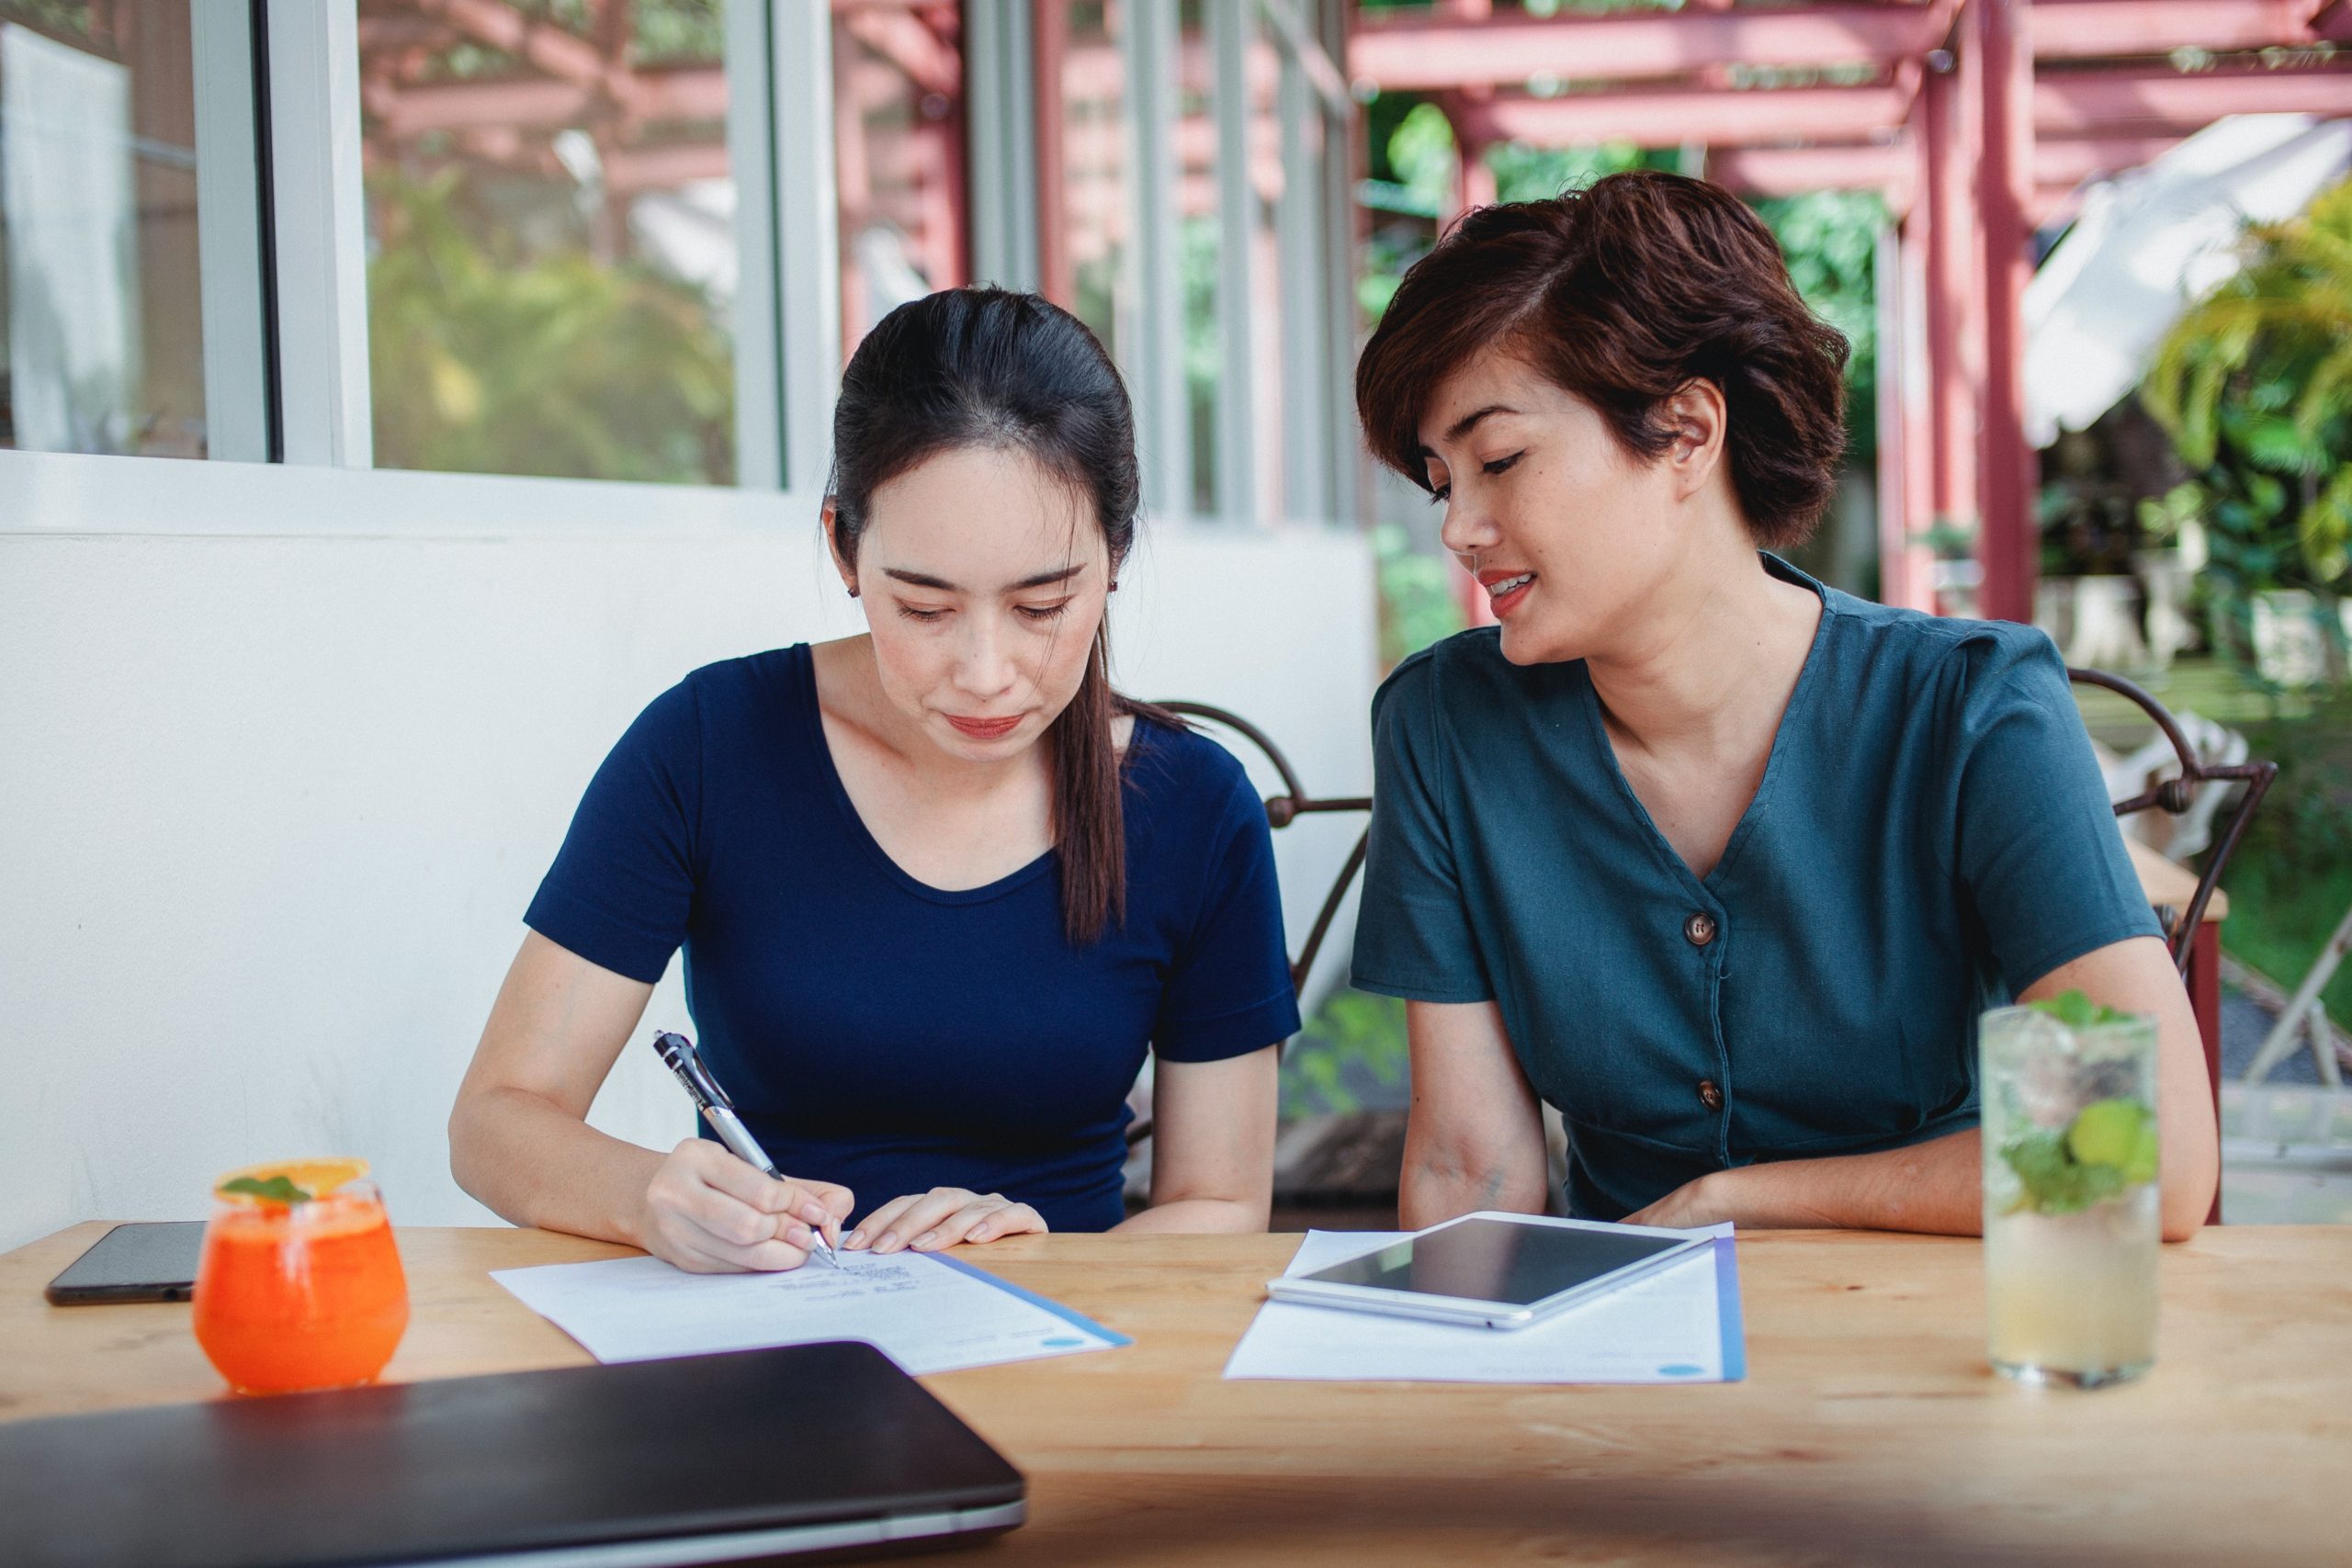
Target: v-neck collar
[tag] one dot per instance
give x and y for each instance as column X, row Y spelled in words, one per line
column 1799, row 697
column 854, row 824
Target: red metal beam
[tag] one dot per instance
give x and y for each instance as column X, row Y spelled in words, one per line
column 1433, row 51
column 2009, row 544
column 694, row 92
column 2061, row 165
column 1429, row 52
column 1668, row 118
column 547, row 47
column 2081, row 30
column 1788, row 170
column 2074, row 102
column 1954, row 303
column 2067, row 104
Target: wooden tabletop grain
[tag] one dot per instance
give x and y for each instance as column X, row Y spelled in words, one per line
column 1869, row 1430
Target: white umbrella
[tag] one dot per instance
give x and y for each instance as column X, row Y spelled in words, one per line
column 2148, row 244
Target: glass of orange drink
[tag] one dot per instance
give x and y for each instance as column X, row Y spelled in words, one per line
column 299, row 1285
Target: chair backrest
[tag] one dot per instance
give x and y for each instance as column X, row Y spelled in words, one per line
column 1283, row 810
column 2177, row 794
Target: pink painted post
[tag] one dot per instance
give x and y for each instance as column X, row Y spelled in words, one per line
column 2009, row 545
column 1906, row 379
column 1952, row 374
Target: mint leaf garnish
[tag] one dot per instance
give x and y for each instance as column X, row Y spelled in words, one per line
column 2077, row 1010
column 277, row 1190
column 2112, row 1144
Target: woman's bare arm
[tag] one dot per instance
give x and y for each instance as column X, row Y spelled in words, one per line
column 1474, row 1138
column 1937, row 1185
column 1213, row 1145
column 519, row 1139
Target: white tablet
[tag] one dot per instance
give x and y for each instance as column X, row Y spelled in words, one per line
column 1501, row 1270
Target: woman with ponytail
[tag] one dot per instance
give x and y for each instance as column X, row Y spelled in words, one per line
column 939, row 887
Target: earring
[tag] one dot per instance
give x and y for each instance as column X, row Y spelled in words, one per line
column 1114, row 585
column 853, row 590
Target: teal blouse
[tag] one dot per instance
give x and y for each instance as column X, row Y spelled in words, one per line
column 1931, row 836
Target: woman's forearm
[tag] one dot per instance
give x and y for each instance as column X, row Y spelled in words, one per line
column 1437, row 1185
column 535, row 1164
column 1198, row 1216
column 1934, row 1188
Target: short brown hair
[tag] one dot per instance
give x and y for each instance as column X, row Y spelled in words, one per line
column 1623, row 293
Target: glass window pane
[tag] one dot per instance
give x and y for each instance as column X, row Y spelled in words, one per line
column 1197, row 236
column 898, row 151
column 1264, row 174
column 101, row 324
column 552, row 250
column 1085, row 241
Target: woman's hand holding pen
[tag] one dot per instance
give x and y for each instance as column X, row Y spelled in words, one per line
column 708, row 1212
column 942, row 1217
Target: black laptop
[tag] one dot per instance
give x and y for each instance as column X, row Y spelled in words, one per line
column 703, row 1459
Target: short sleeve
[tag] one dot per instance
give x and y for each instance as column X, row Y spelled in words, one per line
column 1413, row 933
column 622, row 885
column 1229, row 991
column 2035, row 842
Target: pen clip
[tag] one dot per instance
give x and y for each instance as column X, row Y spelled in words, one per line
column 679, row 1054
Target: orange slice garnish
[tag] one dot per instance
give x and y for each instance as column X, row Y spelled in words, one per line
column 290, row 1180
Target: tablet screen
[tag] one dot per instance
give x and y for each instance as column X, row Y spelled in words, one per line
column 1495, row 1261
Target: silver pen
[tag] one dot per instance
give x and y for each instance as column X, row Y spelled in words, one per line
column 678, row 1054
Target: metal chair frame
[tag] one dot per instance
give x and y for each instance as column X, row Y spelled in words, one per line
column 2176, row 794
column 1281, row 810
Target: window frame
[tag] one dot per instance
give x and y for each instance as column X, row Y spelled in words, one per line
column 290, row 354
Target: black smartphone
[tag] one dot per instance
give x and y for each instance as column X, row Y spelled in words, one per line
column 145, row 1262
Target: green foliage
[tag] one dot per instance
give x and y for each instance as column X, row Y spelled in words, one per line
column 1830, row 238
column 68, row 17
column 1198, row 251
column 1417, row 604
column 1422, row 154
column 673, row 31
column 487, row 358
column 2253, row 385
column 1351, row 1027
column 2290, row 880
column 1537, row 174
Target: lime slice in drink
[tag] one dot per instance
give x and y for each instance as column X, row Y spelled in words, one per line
column 2111, row 1133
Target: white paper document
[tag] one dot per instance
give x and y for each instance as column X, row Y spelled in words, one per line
column 1679, row 1324
column 926, row 1313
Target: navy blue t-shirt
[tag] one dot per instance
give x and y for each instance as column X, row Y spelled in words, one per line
column 892, row 1036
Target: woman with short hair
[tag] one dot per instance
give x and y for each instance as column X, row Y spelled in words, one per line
column 940, row 887
column 1722, row 862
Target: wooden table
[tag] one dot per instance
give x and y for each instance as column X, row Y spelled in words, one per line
column 1869, row 1430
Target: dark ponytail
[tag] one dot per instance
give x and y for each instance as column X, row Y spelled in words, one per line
column 991, row 368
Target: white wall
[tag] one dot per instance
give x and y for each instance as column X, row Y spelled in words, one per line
column 284, row 752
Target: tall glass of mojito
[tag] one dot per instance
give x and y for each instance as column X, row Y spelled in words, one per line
column 2071, row 1221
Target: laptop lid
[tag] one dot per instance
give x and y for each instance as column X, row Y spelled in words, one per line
column 701, row 1458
